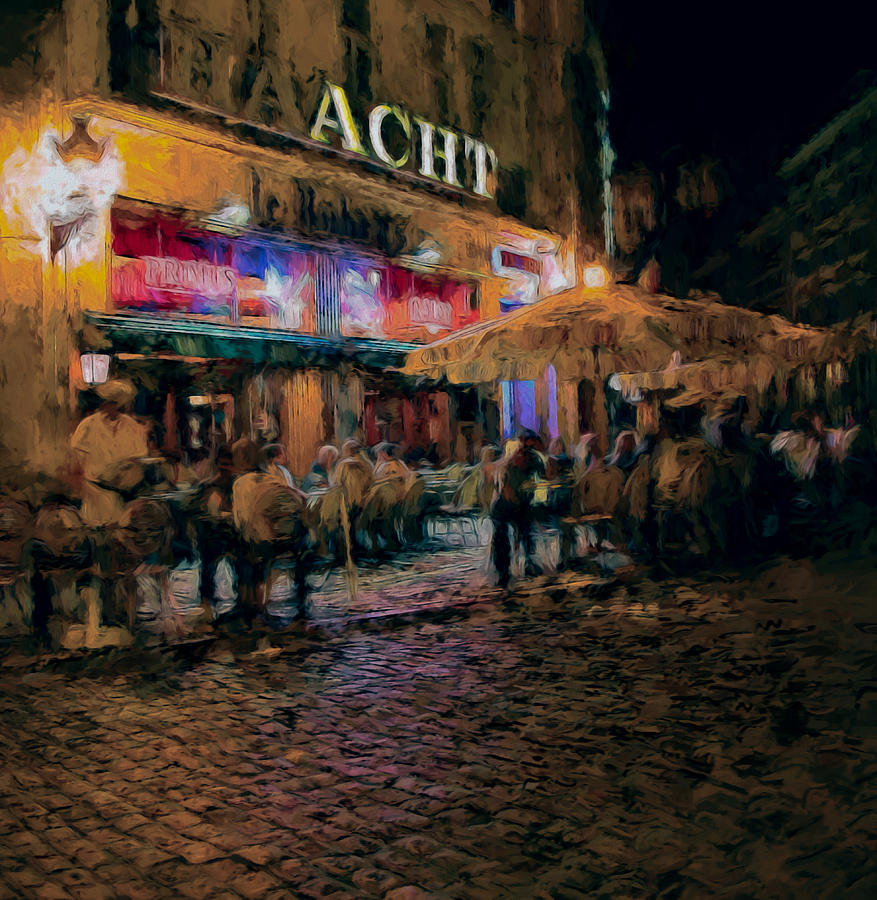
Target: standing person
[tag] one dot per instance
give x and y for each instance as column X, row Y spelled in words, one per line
column 354, row 473
column 512, row 506
column 246, row 522
column 107, row 446
column 487, row 477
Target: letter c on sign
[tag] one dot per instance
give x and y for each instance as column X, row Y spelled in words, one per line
column 375, row 123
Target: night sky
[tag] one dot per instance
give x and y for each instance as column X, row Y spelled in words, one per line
column 746, row 81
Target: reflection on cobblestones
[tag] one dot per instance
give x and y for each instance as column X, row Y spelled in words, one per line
column 678, row 740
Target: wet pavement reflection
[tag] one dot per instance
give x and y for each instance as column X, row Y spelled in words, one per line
column 679, row 739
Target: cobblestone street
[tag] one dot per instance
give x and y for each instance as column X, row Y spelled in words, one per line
column 680, row 739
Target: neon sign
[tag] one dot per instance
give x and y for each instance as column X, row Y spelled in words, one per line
column 434, row 315
column 433, row 143
column 196, row 276
column 533, row 268
column 362, row 312
column 161, row 264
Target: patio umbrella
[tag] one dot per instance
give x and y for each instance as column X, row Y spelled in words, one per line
column 594, row 332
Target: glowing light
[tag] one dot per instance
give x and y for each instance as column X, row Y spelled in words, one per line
column 58, row 202
column 361, row 308
column 286, row 297
column 231, row 211
column 594, row 277
column 95, row 367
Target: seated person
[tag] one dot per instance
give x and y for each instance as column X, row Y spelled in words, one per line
column 560, row 465
column 353, row 472
column 390, row 468
column 624, row 452
column 478, row 487
column 321, row 469
column 274, row 464
column 271, row 516
column 244, row 455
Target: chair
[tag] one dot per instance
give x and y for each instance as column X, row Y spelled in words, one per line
column 465, row 517
column 16, row 594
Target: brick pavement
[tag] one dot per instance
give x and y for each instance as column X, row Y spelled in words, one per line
column 684, row 740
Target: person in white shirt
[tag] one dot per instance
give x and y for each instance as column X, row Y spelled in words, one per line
column 108, row 446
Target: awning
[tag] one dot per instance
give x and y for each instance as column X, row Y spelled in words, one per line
column 136, row 333
column 713, row 378
column 593, row 332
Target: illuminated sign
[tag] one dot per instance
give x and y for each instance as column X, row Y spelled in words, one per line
column 189, row 276
column 161, row 264
column 392, row 302
column 434, row 151
column 533, row 268
column 362, row 312
column 434, row 315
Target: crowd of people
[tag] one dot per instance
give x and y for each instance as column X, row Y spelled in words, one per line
column 723, row 492
column 236, row 509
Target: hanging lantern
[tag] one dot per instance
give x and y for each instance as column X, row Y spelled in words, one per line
column 95, row 367
column 595, row 276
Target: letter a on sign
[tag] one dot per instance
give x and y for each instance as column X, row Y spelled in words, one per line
column 342, row 123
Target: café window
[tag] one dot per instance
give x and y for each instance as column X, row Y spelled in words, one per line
column 504, row 8
column 438, row 43
column 166, row 266
column 423, row 307
column 511, row 195
column 380, row 301
column 133, row 33
column 479, row 60
column 161, row 265
column 358, row 68
column 355, row 16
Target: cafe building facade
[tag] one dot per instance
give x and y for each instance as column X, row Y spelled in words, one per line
column 258, row 250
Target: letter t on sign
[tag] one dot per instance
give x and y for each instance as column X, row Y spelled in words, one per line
column 343, row 123
column 483, row 152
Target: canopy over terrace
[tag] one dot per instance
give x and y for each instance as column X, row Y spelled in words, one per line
column 597, row 332
column 651, row 347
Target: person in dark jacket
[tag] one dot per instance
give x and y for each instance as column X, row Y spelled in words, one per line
column 512, row 506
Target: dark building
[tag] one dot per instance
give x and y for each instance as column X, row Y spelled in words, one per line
column 813, row 257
